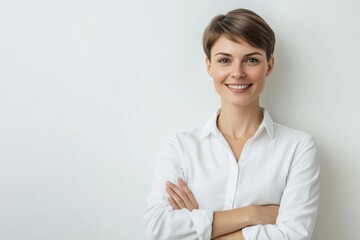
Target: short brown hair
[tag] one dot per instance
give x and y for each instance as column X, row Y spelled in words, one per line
column 240, row 24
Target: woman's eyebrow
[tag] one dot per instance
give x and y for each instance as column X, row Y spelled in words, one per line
column 252, row 53
column 223, row 53
column 246, row 55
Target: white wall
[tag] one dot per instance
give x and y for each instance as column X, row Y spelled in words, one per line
column 90, row 89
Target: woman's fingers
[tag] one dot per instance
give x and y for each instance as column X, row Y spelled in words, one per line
column 188, row 192
column 181, row 196
column 173, row 203
column 176, row 195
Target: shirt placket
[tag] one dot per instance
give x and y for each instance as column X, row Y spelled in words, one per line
column 233, row 176
column 231, row 186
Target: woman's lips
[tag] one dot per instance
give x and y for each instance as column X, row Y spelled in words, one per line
column 238, row 88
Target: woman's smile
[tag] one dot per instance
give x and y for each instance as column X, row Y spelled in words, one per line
column 239, row 88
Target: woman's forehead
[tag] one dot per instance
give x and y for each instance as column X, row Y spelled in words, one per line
column 240, row 46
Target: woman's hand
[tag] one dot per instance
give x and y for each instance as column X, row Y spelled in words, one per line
column 266, row 214
column 232, row 220
column 181, row 196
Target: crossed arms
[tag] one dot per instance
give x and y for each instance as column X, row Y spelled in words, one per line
column 226, row 224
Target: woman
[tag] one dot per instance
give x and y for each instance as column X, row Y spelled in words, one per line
column 241, row 175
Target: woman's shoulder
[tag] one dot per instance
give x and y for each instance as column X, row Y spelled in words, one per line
column 288, row 133
column 194, row 134
column 192, row 137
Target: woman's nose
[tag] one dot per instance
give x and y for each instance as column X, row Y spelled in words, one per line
column 238, row 72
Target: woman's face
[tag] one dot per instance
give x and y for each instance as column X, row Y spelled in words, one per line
column 239, row 71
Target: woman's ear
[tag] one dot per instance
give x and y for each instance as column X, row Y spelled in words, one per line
column 270, row 65
column 208, row 65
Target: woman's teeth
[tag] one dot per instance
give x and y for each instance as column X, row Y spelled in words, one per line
column 239, row 86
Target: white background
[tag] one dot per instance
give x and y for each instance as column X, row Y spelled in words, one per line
column 90, row 89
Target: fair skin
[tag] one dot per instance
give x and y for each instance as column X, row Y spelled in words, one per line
column 239, row 71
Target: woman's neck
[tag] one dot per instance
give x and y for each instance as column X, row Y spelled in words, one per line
column 238, row 122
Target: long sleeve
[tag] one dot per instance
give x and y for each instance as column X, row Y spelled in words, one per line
column 162, row 222
column 299, row 202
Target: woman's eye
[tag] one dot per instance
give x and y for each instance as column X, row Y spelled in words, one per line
column 223, row 60
column 251, row 60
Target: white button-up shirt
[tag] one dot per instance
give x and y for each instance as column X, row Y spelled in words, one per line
column 278, row 165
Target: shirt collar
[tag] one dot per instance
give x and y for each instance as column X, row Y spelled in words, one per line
column 210, row 125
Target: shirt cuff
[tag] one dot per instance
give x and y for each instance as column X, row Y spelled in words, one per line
column 251, row 233
column 202, row 220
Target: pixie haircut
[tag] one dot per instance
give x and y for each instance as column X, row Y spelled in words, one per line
column 240, row 24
